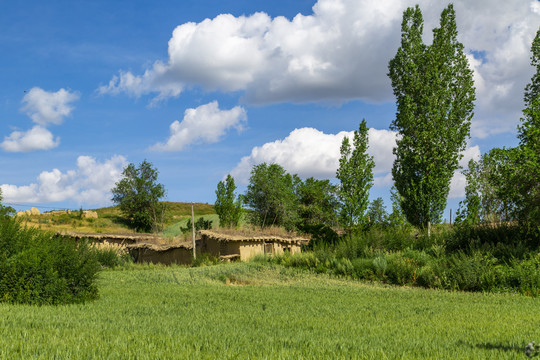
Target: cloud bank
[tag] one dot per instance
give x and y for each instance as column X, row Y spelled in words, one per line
column 310, row 152
column 44, row 108
column 341, row 52
column 90, row 183
column 204, row 124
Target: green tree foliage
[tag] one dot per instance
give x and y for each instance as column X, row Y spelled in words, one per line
column 491, row 194
column 377, row 212
column 397, row 217
column 200, row 224
column 355, row 174
column 434, row 89
column 506, row 182
column 469, row 211
column 500, row 197
column 271, row 194
column 529, row 137
column 228, row 206
column 5, row 211
column 138, row 195
column 317, row 202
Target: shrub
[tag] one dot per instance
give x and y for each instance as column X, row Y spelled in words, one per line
column 200, row 224
column 363, row 268
column 505, row 241
column 321, row 234
column 205, row 259
column 40, row 268
column 525, row 275
column 402, row 269
column 110, row 257
column 380, row 264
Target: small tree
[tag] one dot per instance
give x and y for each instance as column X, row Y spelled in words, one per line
column 5, row 211
column 469, row 211
column 271, row 194
column 397, row 217
column 138, row 195
column 228, row 206
column 317, row 202
column 355, row 173
column 377, row 213
column 491, row 194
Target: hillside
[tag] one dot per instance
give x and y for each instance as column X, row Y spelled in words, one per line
column 110, row 219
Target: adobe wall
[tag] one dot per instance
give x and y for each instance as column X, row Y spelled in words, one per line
column 249, row 249
column 181, row 256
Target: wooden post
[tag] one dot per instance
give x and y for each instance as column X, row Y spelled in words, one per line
column 450, row 216
column 193, row 232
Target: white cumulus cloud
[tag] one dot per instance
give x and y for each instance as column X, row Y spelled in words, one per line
column 309, row 58
column 310, row 152
column 37, row 138
column 341, row 52
column 90, row 183
column 44, row 108
column 204, row 124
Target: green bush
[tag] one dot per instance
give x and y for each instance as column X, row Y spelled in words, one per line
column 110, row 258
column 363, row 269
column 205, row 259
column 40, row 268
column 504, row 241
column 402, row 270
column 525, row 275
column 321, row 234
column 200, row 224
column 468, row 259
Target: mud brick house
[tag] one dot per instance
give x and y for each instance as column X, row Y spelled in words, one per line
column 237, row 247
column 181, row 254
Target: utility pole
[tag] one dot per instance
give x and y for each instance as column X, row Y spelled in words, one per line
column 193, row 232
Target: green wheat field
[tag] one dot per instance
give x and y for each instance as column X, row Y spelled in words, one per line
column 264, row 311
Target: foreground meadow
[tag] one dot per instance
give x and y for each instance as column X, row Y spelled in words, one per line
column 257, row 310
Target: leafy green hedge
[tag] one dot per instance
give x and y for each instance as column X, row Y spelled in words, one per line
column 40, row 268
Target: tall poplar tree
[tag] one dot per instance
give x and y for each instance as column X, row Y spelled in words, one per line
column 435, row 97
column 355, row 173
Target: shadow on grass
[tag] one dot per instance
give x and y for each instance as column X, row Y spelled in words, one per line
column 494, row 346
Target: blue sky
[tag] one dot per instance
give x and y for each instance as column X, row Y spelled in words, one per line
column 206, row 88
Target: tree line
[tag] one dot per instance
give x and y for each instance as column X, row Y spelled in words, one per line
column 435, row 94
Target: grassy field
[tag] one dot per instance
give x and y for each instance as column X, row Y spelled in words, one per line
column 255, row 310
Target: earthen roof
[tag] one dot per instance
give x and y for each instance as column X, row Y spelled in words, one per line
column 257, row 238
